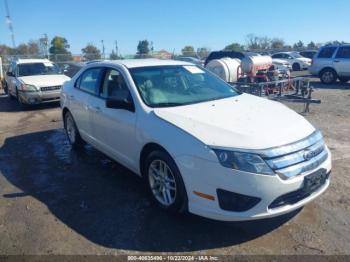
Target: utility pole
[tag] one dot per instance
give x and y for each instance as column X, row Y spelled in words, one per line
column 103, row 50
column 9, row 24
column 45, row 45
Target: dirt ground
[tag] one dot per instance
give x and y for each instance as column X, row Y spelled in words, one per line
column 55, row 201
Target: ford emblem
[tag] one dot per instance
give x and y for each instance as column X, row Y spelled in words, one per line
column 308, row 154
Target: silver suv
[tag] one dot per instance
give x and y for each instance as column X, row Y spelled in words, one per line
column 332, row 62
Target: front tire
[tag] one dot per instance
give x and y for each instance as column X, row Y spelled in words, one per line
column 328, row 76
column 165, row 182
column 72, row 131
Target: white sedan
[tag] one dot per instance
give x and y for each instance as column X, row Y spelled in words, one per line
column 200, row 145
column 297, row 61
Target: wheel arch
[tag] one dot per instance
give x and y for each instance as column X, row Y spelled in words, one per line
column 64, row 111
column 146, row 150
column 328, row 68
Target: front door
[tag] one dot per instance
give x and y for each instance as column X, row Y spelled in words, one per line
column 114, row 129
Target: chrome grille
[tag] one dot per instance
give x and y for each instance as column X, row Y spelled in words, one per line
column 50, row 88
column 293, row 159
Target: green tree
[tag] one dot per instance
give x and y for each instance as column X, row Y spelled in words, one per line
column 253, row 42
column 143, row 47
column 203, row 52
column 299, row 45
column 91, row 52
column 311, row 45
column 114, row 56
column 188, row 51
column 277, row 43
column 33, row 48
column 22, row 49
column 59, row 49
column 234, row 47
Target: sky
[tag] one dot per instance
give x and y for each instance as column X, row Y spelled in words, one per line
column 172, row 24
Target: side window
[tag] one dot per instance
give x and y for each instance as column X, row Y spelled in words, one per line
column 114, row 86
column 327, row 52
column 277, row 56
column 89, row 81
column 344, row 52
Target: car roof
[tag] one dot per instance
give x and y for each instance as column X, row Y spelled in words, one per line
column 30, row 61
column 133, row 63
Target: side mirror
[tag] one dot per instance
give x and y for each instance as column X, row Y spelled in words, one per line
column 120, row 104
column 9, row 74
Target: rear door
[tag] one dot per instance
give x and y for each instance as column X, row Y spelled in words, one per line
column 114, row 129
column 342, row 61
column 85, row 89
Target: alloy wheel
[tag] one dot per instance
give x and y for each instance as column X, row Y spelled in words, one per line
column 162, row 182
column 328, row 77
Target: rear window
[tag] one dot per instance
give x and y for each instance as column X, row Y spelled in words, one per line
column 327, row 52
column 344, row 52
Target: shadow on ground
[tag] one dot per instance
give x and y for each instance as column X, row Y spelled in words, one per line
column 106, row 203
column 337, row 85
column 11, row 105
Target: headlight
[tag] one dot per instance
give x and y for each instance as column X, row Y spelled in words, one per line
column 243, row 161
column 28, row 88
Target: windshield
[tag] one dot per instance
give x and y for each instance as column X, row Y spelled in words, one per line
column 31, row 69
column 165, row 86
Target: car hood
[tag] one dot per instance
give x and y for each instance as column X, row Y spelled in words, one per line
column 44, row 80
column 244, row 121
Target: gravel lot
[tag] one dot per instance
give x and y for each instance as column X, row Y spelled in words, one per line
column 55, row 201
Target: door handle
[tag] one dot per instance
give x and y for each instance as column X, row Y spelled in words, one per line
column 71, row 97
column 336, row 61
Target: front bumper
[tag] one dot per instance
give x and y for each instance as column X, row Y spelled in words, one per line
column 206, row 177
column 39, row 97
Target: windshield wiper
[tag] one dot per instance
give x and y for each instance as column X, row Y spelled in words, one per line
column 168, row 104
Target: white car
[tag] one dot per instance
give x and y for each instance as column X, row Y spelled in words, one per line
column 199, row 144
column 34, row 81
column 297, row 61
column 281, row 64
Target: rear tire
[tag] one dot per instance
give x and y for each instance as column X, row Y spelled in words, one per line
column 296, row 67
column 328, row 76
column 72, row 131
column 165, row 182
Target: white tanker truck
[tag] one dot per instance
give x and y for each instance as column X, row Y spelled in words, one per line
column 249, row 69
